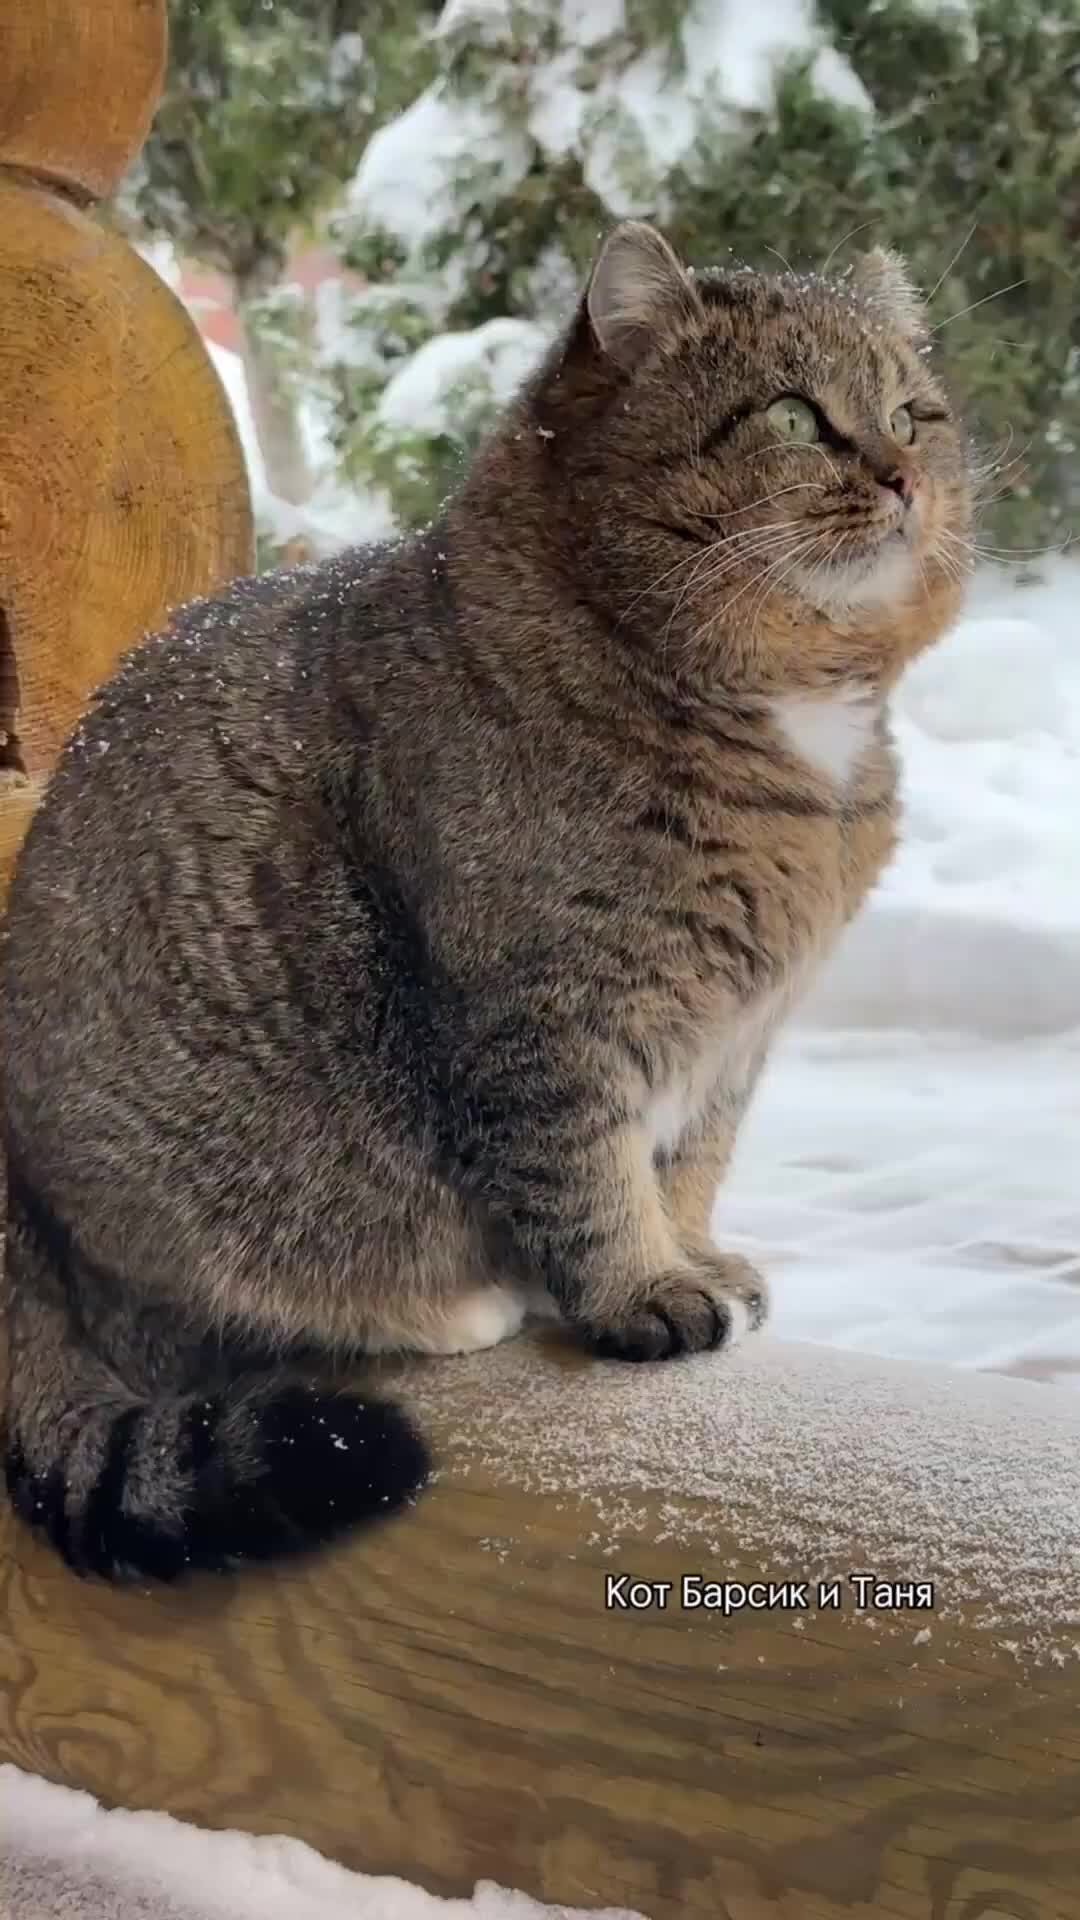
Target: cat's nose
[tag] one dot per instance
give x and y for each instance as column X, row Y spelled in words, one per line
column 901, row 481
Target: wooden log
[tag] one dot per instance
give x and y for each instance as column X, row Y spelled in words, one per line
column 122, row 482
column 450, row 1698
column 79, row 81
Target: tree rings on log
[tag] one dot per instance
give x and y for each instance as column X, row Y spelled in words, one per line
column 123, row 490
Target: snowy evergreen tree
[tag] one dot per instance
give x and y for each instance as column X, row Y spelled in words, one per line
column 266, row 110
column 747, row 132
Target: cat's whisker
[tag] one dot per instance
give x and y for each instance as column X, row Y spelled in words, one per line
column 738, row 540
column 963, row 549
column 955, row 567
column 770, row 558
column 685, row 561
column 797, row 486
column 987, row 500
column 952, row 567
column 986, row 547
column 771, row 582
column 746, row 541
column 814, row 448
column 993, row 457
column 842, row 242
column 794, row 550
column 962, row 248
column 693, row 560
column 756, row 550
column 745, row 537
column 777, row 255
column 1000, row 469
column 749, row 533
column 987, row 297
column 805, row 558
column 697, row 433
column 1004, row 555
column 751, row 547
column 775, row 578
column 1002, row 482
column 756, row 453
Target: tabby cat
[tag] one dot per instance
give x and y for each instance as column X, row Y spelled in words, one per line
column 401, row 938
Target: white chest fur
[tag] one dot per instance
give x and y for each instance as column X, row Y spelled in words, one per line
column 832, row 731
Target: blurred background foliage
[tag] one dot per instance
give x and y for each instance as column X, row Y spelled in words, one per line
column 461, row 161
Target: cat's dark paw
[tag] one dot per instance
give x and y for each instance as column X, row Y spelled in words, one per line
column 697, row 1309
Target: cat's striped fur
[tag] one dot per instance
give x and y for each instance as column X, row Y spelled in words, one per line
column 402, row 937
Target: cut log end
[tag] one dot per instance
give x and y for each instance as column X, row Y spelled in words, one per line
column 123, row 490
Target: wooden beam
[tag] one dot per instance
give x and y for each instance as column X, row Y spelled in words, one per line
column 451, row 1699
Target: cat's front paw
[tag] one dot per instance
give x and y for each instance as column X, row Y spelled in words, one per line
column 694, row 1309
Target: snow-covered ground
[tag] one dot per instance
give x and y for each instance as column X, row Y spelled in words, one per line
column 908, row 1172
column 63, row 1858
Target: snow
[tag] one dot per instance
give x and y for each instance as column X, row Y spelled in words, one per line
column 735, row 50
column 62, row 1857
column 498, row 354
column 230, row 372
column 907, row 1172
column 336, row 515
column 405, row 184
column 784, row 1459
column 585, row 23
column 629, row 123
column 644, row 121
column 161, row 255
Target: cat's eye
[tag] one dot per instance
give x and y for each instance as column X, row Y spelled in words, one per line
column 792, row 420
column 902, row 426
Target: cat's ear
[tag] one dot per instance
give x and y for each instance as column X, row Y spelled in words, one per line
column 882, row 276
column 638, row 292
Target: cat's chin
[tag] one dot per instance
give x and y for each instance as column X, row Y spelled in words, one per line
column 882, row 572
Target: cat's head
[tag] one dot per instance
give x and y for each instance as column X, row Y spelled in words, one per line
column 760, row 470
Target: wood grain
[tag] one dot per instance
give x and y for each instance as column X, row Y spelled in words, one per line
column 123, row 490
column 79, row 81
column 122, row 483
column 448, row 1699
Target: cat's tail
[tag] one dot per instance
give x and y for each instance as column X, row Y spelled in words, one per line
column 132, row 1479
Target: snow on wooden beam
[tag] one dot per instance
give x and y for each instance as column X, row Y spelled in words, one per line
column 479, row 1691
column 122, row 482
